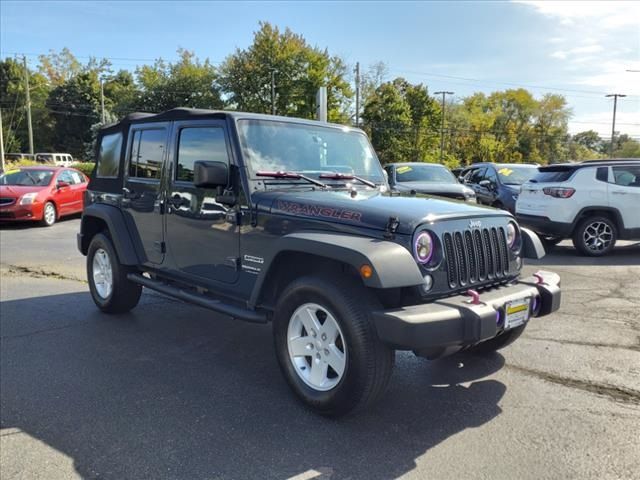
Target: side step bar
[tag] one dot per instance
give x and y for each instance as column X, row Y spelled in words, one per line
column 200, row 300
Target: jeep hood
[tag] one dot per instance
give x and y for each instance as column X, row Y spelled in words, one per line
column 369, row 208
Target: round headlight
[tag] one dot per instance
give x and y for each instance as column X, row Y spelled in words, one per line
column 511, row 234
column 423, row 247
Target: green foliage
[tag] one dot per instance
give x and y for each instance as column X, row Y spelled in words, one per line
column 85, row 167
column 629, row 149
column 298, row 71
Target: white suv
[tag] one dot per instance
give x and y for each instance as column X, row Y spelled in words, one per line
column 594, row 203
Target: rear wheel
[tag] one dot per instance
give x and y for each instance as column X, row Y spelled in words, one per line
column 110, row 289
column 49, row 214
column 595, row 236
column 501, row 341
column 327, row 346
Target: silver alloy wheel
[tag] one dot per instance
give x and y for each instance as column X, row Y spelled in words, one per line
column 316, row 345
column 597, row 236
column 102, row 273
column 49, row 213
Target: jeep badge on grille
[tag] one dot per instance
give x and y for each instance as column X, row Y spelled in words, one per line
column 475, row 224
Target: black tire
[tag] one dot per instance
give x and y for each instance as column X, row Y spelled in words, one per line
column 124, row 294
column 49, row 220
column 588, row 225
column 369, row 362
column 499, row 342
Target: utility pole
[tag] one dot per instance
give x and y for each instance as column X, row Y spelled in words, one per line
column 104, row 118
column 1, row 144
column 273, row 92
column 357, row 94
column 443, row 93
column 613, row 126
column 26, row 88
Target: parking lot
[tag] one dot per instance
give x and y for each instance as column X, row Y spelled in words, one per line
column 174, row 391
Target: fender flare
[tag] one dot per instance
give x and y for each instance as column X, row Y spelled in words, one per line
column 393, row 265
column 119, row 233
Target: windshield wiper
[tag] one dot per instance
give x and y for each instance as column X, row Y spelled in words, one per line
column 347, row 176
column 292, row 175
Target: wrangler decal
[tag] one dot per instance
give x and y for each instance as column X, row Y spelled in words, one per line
column 319, row 211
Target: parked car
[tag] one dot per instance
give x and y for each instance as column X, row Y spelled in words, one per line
column 594, row 203
column 266, row 218
column 59, row 159
column 41, row 194
column 498, row 184
column 427, row 178
column 16, row 157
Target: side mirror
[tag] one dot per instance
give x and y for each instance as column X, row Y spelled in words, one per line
column 208, row 174
column 485, row 183
column 62, row 184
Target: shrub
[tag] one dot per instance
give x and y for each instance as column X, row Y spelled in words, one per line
column 84, row 167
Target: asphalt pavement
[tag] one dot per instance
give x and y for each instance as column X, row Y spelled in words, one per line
column 172, row 391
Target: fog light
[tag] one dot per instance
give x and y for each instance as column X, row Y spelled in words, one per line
column 428, row 283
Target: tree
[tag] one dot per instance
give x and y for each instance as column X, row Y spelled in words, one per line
column 187, row 83
column 298, row 71
column 75, row 107
column 589, row 139
column 628, row 149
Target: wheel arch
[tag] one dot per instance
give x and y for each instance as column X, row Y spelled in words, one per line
column 303, row 253
column 98, row 218
column 611, row 213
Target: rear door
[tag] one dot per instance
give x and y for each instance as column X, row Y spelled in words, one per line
column 624, row 193
column 142, row 193
column 78, row 187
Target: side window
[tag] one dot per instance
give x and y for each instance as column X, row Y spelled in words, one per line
column 147, row 154
column 602, row 174
column 627, row 176
column 199, row 143
column 490, row 174
column 109, row 156
column 77, row 177
column 476, row 175
column 65, row 176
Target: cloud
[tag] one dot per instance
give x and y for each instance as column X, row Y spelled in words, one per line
column 626, row 122
column 611, row 14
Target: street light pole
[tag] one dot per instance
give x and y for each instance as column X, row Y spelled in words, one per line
column 357, row 94
column 443, row 93
column 613, row 126
column 102, row 100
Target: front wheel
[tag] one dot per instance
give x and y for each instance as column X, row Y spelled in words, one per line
column 327, row 346
column 49, row 214
column 110, row 288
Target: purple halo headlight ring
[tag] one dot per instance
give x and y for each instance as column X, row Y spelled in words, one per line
column 423, row 247
column 512, row 234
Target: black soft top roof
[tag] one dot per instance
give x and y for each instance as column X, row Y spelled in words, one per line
column 182, row 113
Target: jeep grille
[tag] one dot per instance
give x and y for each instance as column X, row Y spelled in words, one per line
column 476, row 256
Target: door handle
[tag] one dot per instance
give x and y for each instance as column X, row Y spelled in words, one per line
column 620, row 193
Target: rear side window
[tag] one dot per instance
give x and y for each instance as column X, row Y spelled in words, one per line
column 602, row 174
column 147, row 154
column 196, row 144
column 553, row 175
column 109, row 156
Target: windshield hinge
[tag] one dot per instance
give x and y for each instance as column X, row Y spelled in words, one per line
column 392, row 226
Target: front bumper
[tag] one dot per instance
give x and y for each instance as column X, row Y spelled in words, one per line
column 456, row 322
column 16, row 212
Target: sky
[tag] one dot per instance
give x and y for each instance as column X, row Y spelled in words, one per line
column 579, row 49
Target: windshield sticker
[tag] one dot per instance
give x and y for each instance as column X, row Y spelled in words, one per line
column 319, row 211
column 404, row 169
column 505, row 171
column 9, row 172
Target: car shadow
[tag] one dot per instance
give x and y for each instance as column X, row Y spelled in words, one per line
column 11, row 225
column 625, row 254
column 173, row 391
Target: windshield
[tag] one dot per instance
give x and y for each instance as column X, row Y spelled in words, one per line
column 270, row 145
column 424, row 173
column 516, row 175
column 40, row 178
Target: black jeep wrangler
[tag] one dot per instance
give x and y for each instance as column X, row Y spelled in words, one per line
column 264, row 218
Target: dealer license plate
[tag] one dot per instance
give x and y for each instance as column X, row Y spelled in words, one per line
column 517, row 313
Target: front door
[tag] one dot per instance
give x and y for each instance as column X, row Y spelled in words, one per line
column 202, row 236
column 624, row 194
column 142, row 195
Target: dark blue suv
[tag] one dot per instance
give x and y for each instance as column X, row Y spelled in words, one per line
column 498, row 184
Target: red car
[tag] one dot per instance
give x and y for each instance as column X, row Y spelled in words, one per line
column 41, row 193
